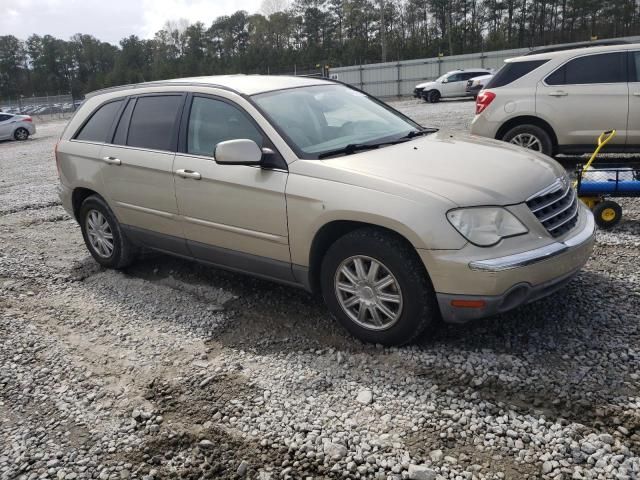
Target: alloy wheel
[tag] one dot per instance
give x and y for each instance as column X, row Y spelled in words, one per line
column 99, row 233
column 22, row 134
column 368, row 292
column 527, row 140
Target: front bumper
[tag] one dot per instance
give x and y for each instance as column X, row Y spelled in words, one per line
column 528, row 276
column 417, row 92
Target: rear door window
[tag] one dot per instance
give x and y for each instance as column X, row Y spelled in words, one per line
column 153, row 122
column 590, row 69
column 99, row 125
column 512, row 71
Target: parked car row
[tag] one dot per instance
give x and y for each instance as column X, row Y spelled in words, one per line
column 43, row 109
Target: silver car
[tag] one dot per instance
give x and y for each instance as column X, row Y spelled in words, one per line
column 320, row 186
column 16, row 127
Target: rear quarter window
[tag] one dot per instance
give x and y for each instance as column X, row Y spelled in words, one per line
column 600, row 68
column 99, row 124
column 512, row 71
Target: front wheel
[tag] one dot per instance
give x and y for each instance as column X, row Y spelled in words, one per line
column 531, row 137
column 377, row 288
column 21, row 134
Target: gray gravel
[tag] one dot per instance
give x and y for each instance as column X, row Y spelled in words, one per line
column 174, row 370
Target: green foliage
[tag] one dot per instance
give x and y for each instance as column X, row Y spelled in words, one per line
column 308, row 33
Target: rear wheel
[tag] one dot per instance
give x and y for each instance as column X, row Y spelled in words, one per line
column 607, row 214
column 103, row 236
column 531, row 137
column 21, row 133
column 377, row 288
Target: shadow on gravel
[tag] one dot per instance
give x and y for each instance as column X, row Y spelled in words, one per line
column 264, row 316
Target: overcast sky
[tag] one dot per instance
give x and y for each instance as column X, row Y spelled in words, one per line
column 109, row 20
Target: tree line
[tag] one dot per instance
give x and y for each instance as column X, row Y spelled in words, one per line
column 283, row 38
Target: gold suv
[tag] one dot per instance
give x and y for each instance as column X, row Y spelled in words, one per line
column 318, row 185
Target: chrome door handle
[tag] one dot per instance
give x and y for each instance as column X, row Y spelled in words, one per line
column 188, row 174
column 558, row 94
column 112, row 160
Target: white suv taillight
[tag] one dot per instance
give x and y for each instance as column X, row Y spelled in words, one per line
column 483, row 101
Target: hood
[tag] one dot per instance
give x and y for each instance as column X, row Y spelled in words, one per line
column 426, row 84
column 467, row 170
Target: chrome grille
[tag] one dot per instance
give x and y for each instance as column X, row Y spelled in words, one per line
column 556, row 207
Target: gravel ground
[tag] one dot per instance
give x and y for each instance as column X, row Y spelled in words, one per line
column 174, row 370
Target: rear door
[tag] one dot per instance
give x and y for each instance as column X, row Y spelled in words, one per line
column 586, row 96
column 139, row 170
column 633, row 129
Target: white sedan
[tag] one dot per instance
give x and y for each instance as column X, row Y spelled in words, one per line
column 17, row 127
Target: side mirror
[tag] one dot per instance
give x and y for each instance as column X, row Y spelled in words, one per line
column 238, row 152
column 445, row 80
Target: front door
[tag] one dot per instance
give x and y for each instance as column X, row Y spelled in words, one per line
column 233, row 215
column 138, row 176
column 454, row 86
column 585, row 97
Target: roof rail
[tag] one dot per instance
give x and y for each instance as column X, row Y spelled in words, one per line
column 159, row 83
column 572, row 46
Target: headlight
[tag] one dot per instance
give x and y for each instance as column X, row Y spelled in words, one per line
column 485, row 226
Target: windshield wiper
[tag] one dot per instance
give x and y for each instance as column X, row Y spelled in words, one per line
column 357, row 147
column 352, row 148
column 418, row 133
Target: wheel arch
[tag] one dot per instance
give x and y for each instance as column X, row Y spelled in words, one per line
column 79, row 195
column 528, row 120
column 332, row 231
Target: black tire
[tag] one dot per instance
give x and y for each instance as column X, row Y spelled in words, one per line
column 21, row 134
column 542, row 136
column 418, row 310
column 607, row 214
column 433, row 96
column 123, row 253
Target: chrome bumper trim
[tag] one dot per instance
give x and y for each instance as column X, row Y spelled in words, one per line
column 537, row 255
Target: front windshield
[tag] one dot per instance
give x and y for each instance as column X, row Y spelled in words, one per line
column 325, row 118
column 441, row 78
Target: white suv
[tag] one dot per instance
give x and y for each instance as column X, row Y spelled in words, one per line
column 451, row 84
column 559, row 102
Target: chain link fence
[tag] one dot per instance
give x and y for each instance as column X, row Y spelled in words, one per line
column 42, row 108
